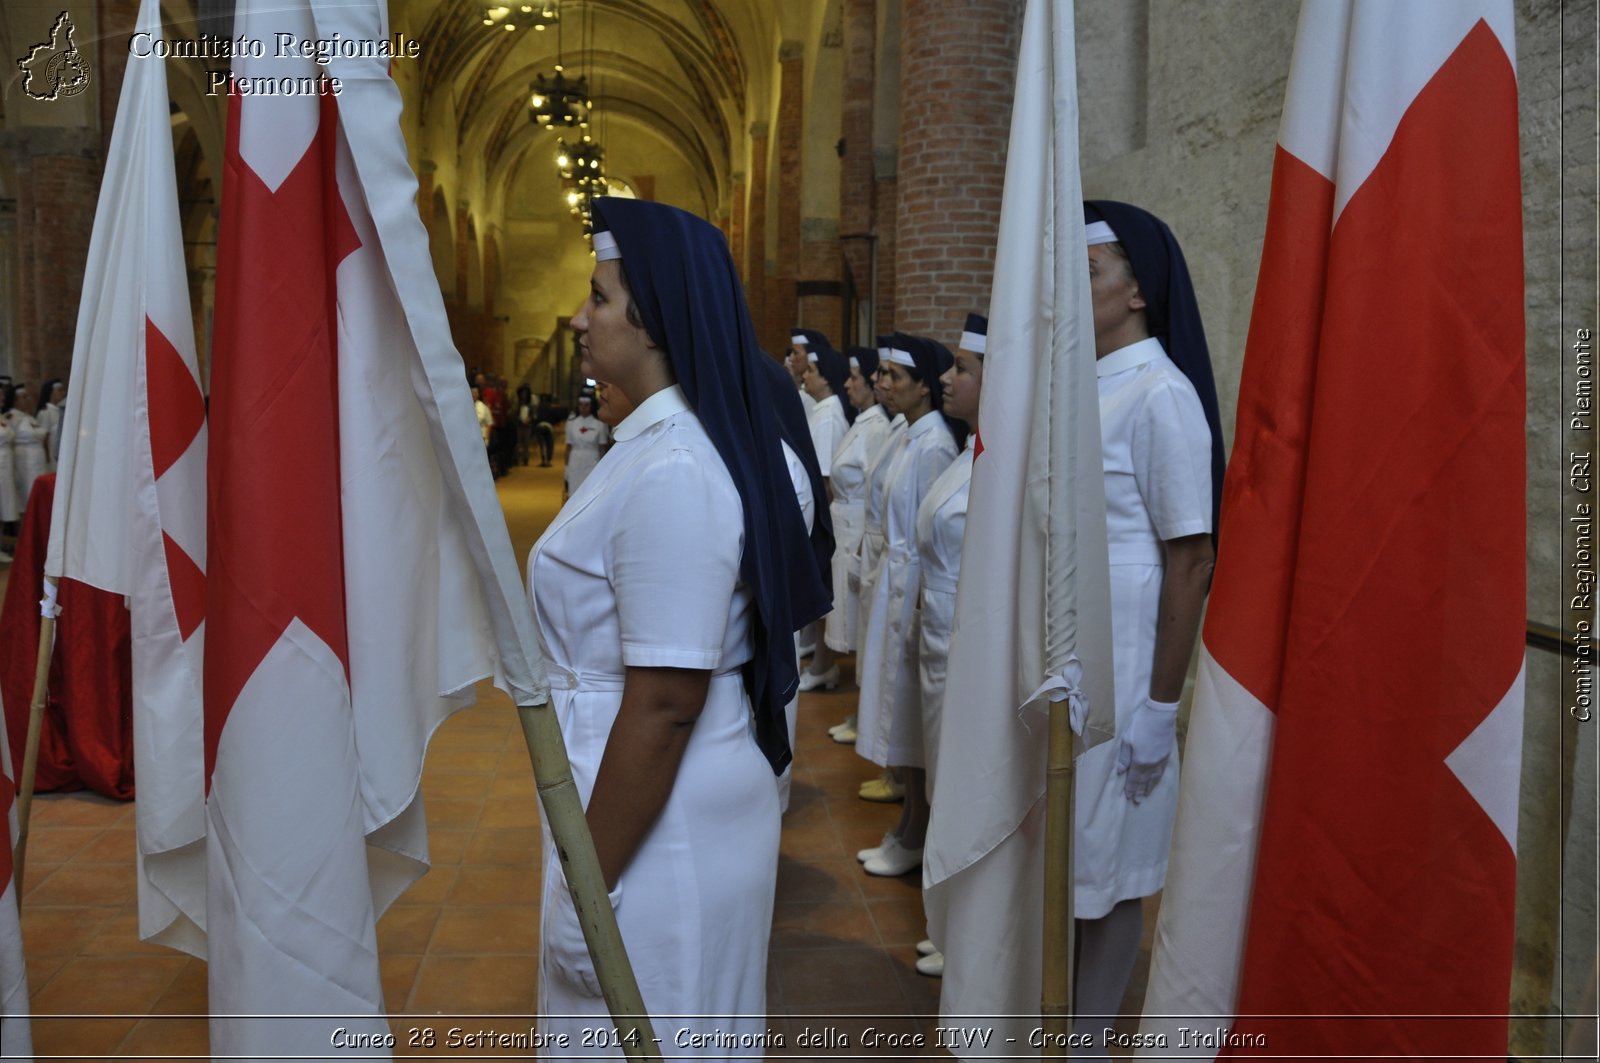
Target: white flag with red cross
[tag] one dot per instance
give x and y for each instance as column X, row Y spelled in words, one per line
column 1343, row 871
column 361, row 579
column 129, row 514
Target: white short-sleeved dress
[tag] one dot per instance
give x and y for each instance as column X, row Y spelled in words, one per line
column 641, row 569
column 31, row 460
column 848, row 479
column 828, row 425
column 1157, row 456
column 941, row 526
column 868, row 561
column 889, row 715
column 585, row 435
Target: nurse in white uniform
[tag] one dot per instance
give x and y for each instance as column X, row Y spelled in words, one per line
column 941, row 527
column 889, row 714
column 1162, row 458
column 587, row 439
column 848, row 484
column 829, row 421
column 868, row 559
column 654, row 600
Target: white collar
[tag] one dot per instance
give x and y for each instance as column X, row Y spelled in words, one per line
column 923, row 424
column 1130, row 357
column 876, row 409
column 651, row 412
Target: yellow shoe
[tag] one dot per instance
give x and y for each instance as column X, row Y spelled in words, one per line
column 882, row 790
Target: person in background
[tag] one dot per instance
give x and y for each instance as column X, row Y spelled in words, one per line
column 524, row 421
column 10, row 509
column 587, row 440
column 847, row 485
column 889, row 711
column 29, row 443
column 52, row 411
column 485, row 417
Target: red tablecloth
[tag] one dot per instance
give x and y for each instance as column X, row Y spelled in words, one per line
column 87, row 738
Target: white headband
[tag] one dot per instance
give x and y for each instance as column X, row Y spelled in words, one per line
column 605, row 247
column 855, row 364
column 974, row 342
column 883, row 355
column 1098, row 232
column 799, row 340
column 811, row 356
column 899, row 357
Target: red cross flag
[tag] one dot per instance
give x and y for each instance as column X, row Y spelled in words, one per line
column 1344, row 863
column 360, row 576
column 129, row 513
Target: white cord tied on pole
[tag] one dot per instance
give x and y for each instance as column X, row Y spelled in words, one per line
column 1067, row 685
column 49, row 608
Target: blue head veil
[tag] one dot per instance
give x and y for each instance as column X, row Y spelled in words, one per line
column 1171, row 312
column 684, row 283
column 835, row 370
column 932, row 358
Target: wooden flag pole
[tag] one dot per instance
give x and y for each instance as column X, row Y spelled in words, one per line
column 563, row 810
column 30, row 753
column 1059, row 931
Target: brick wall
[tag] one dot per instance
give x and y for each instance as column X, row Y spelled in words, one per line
column 856, row 215
column 783, row 307
column 56, row 196
column 958, row 67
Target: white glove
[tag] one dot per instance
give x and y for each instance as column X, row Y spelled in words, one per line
column 565, row 950
column 1147, row 744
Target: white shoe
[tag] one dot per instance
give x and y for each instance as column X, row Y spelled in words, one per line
column 926, row 947
column 845, row 734
column 931, row 965
column 893, row 860
column 5, row 559
column 864, row 855
column 849, row 724
column 826, row 680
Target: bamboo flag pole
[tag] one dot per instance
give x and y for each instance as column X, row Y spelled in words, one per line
column 563, row 810
column 1059, row 931
column 30, row 754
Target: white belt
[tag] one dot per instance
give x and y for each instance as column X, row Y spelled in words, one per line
column 1148, row 553
column 566, row 679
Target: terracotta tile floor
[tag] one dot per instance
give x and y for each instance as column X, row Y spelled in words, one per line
column 463, row 940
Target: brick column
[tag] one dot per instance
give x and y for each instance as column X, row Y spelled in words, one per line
column 957, row 73
column 58, row 184
column 783, row 308
column 856, row 218
column 756, row 271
